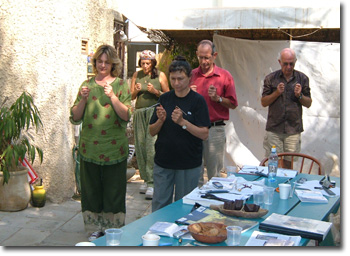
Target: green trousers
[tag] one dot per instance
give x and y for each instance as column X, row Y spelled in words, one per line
column 103, row 192
column 144, row 144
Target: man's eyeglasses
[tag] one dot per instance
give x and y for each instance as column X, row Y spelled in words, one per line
column 204, row 57
column 288, row 64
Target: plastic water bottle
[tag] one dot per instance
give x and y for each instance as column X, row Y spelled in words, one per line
column 273, row 164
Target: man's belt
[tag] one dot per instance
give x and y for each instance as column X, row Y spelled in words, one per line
column 217, row 123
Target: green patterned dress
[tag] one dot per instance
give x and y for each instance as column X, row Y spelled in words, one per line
column 103, row 149
column 144, row 142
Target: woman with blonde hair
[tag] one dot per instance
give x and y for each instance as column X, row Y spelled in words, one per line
column 103, row 106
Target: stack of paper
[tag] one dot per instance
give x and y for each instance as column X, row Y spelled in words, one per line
column 309, row 196
column 236, row 188
column 195, row 197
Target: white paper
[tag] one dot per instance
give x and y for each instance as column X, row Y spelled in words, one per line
column 309, row 196
column 195, row 197
column 311, row 184
column 260, row 238
column 287, row 173
column 281, row 172
column 238, row 189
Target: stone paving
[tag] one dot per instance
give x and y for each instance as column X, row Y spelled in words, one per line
column 62, row 224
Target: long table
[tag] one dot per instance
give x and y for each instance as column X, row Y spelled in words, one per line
column 133, row 232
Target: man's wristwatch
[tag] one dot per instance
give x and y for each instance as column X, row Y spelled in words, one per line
column 220, row 100
column 301, row 95
column 184, row 126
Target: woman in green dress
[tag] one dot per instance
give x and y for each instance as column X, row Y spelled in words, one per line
column 146, row 87
column 103, row 106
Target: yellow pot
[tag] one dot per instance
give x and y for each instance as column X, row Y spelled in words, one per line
column 38, row 196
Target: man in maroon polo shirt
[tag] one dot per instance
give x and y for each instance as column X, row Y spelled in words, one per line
column 217, row 87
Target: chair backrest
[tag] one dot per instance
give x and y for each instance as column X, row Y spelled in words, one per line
column 294, row 156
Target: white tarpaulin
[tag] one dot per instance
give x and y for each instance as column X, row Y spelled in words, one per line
column 249, row 62
column 227, row 14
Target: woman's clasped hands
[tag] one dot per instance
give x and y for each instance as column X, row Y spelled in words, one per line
column 151, row 89
column 137, row 87
column 85, row 91
column 108, row 89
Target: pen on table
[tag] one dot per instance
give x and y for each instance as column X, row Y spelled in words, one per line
column 288, row 181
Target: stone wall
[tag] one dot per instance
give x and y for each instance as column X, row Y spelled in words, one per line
column 40, row 52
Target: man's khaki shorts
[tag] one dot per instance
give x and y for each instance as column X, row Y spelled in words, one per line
column 283, row 143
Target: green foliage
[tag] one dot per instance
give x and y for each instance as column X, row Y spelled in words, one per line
column 13, row 145
column 188, row 51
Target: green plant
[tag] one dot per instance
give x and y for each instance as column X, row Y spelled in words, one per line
column 188, row 51
column 13, row 144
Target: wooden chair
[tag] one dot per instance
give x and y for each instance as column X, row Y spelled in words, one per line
column 293, row 156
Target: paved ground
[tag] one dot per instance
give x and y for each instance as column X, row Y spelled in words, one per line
column 61, row 224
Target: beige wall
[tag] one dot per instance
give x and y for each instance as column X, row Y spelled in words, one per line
column 40, row 52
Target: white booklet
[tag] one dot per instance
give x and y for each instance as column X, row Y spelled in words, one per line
column 309, row 196
column 165, row 228
column 272, row 239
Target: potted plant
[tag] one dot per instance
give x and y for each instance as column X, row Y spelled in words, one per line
column 14, row 146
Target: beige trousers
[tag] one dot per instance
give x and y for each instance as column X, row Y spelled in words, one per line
column 213, row 153
column 283, row 143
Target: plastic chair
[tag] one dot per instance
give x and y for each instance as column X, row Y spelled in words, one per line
column 294, row 156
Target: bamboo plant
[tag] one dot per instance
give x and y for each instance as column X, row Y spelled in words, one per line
column 14, row 146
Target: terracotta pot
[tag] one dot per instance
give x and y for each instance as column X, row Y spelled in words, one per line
column 15, row 195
